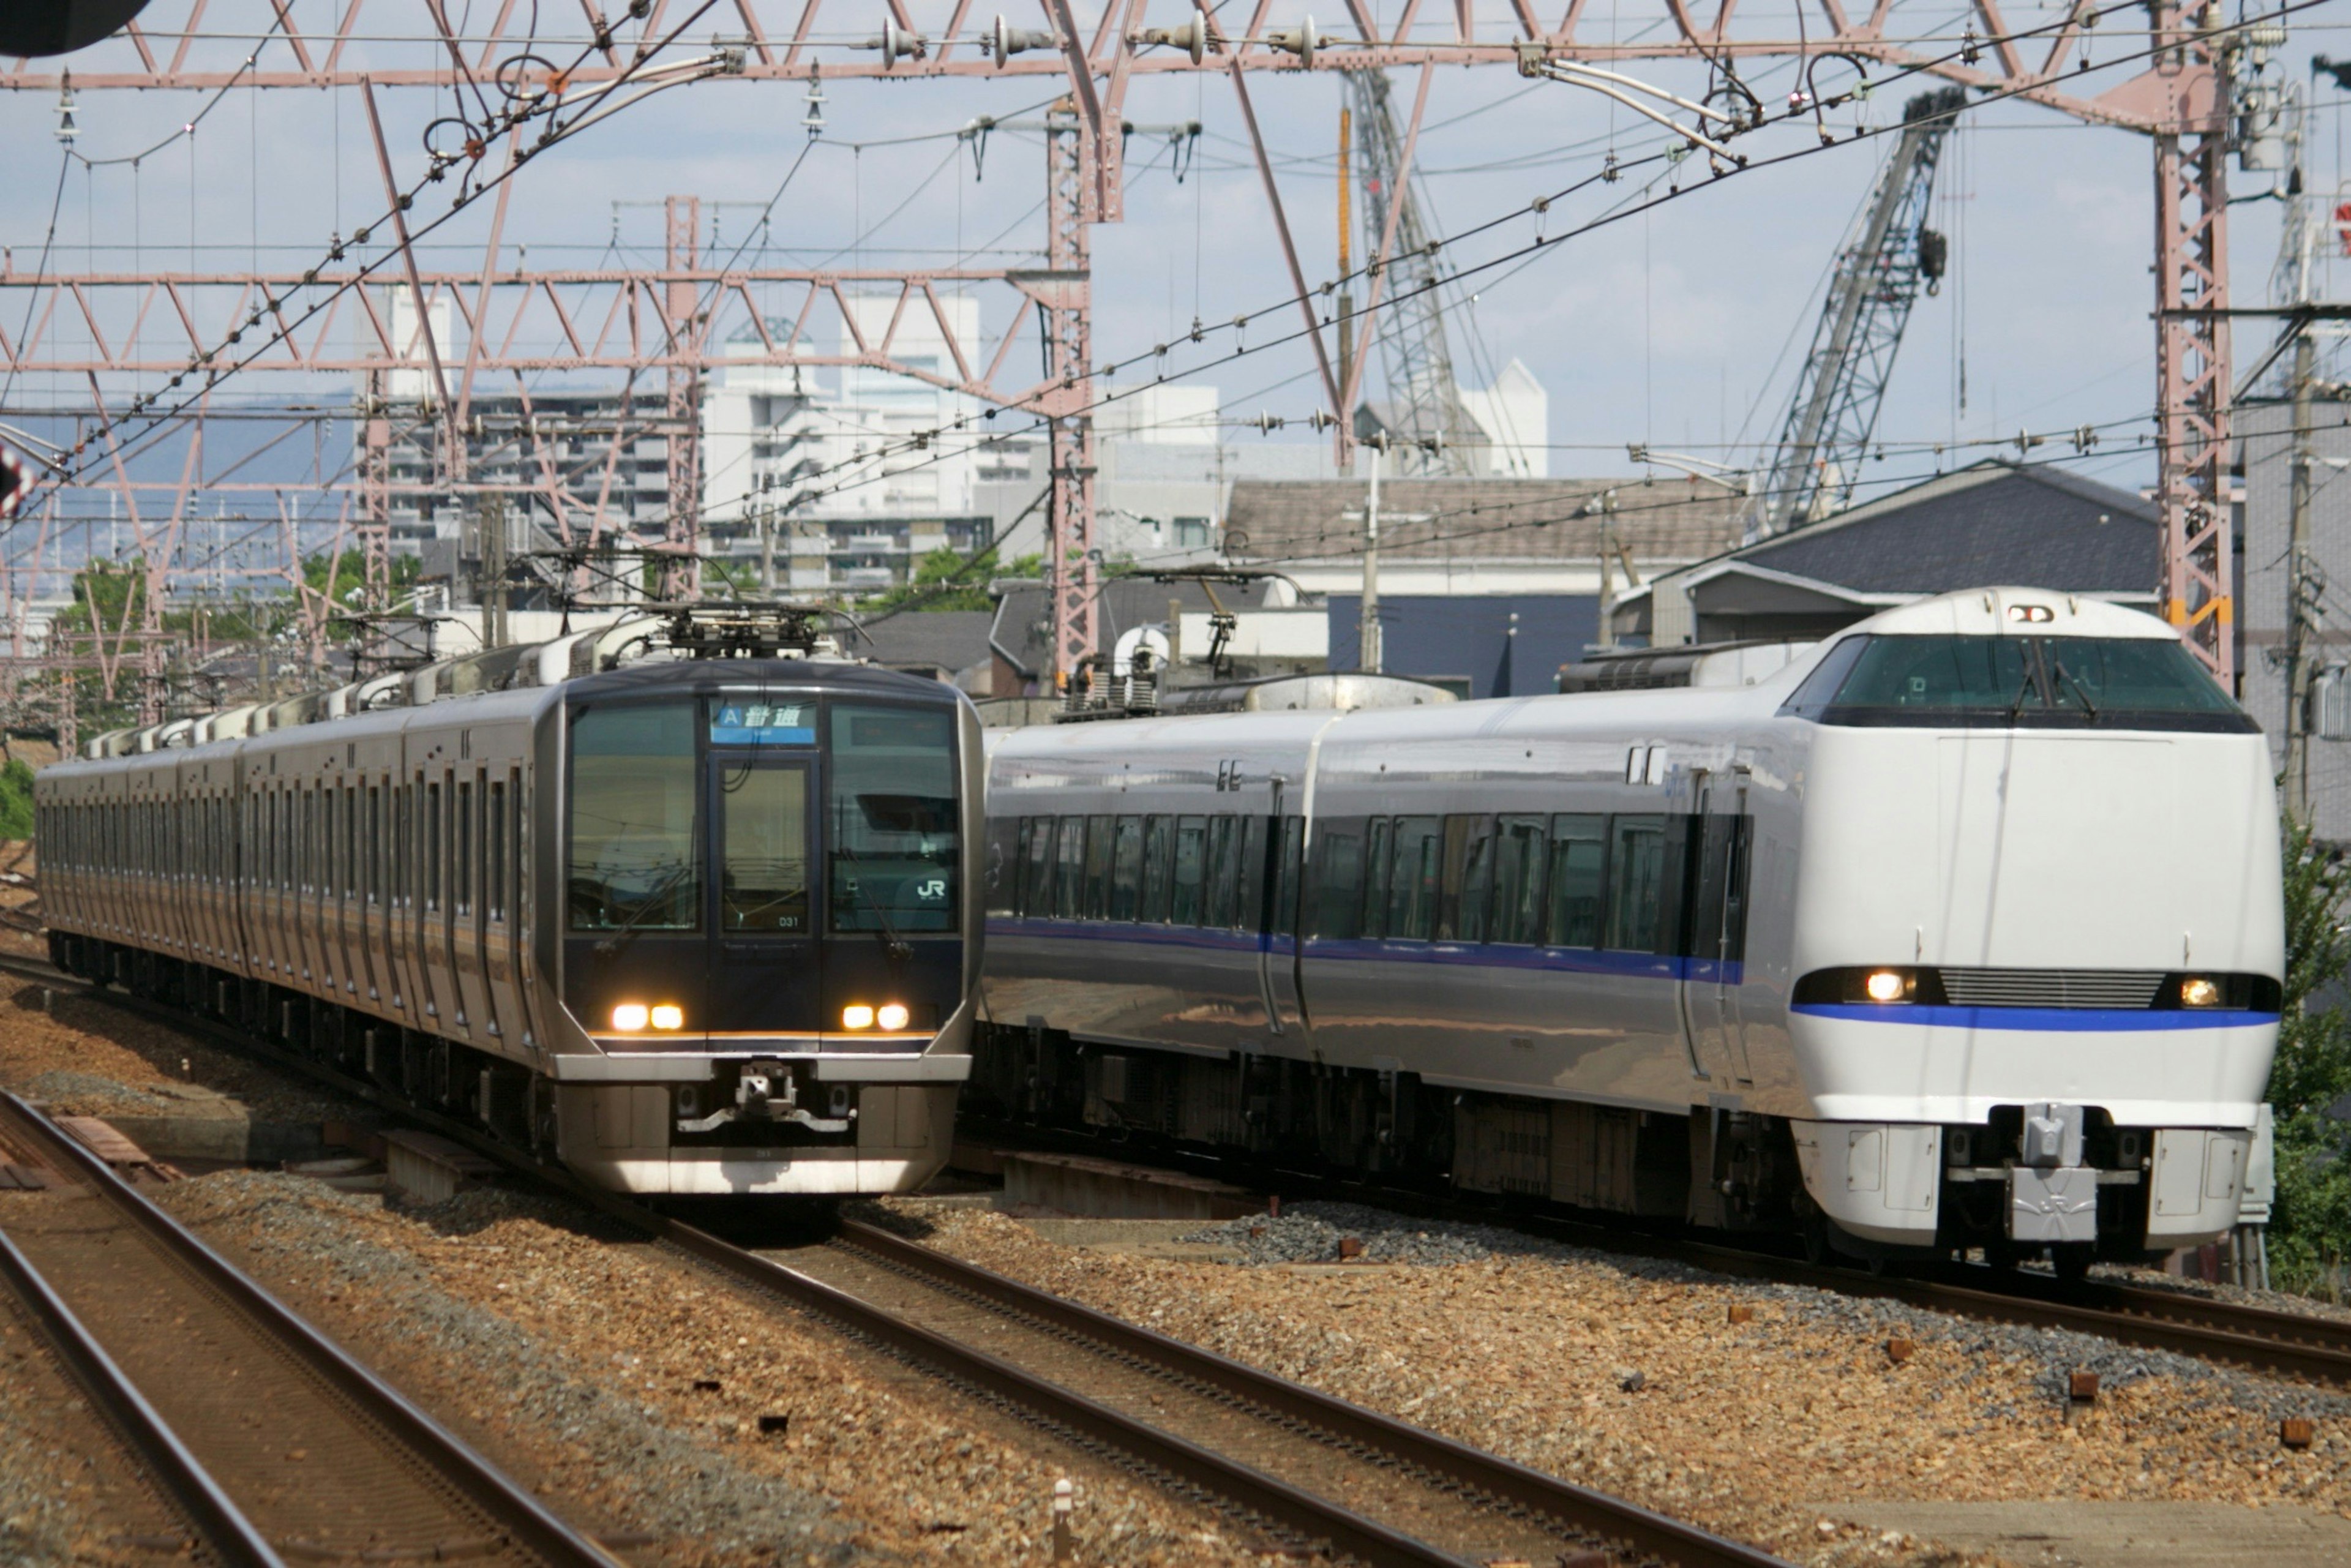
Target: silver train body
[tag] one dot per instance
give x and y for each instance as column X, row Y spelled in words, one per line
column 1964, row 929
column 690, row 925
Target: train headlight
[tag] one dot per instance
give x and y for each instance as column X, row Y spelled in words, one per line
column 1886, row 985
column 2197, row 991
column 857, row 1017
column 630, row 1017
column 891, row 1015
column 669, row 1015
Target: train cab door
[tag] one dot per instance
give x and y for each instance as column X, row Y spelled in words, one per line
column 1721, row 843
column 1277, row 947
column 765, row 977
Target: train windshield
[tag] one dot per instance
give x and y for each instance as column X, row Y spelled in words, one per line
column 890, row 825
column 2040, row 682
column 634, row 820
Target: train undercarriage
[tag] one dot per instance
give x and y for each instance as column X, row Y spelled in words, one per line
column 1716, row 1169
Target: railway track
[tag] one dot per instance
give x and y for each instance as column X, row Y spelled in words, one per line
column 1318, row 1469
column 275, row 1444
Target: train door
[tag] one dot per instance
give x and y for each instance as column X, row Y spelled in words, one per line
column 467, row 937
column 1721, row 845
column 764, row 966
column 1277, row 947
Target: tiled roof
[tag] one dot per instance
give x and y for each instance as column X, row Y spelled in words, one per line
column 949, row 639
column 1479, row 519
column 1993, row 522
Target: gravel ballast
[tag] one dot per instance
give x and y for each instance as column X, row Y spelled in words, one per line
column 1628, row 1375
column 633, row 1388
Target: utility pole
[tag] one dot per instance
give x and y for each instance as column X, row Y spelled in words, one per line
column 2301, row 587
column 492, row 525
column 1346, row 262
column 1369, row 653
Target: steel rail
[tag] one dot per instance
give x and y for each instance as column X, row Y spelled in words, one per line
column 2263, row 1339
column 2260, row 1338
column 1648, row 1534
column 1276, row 1500
column 229, row 1537
column 529, row 1522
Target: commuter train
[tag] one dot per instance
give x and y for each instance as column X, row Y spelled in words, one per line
column 1961, row 929
column 685, row 902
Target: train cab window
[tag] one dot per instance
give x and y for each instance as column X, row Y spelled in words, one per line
column 764, row 880
column 1186, row 902
column 1415, row 877
column 635, row 820
column 1636, row 883
column 1070, row 868
column 1126, row 870
column 494, row 853
column 1158, row 868
column 1099, row 832
column 1957, row 681
column 1577, row 901
column 1037, row 867
column 1521, row 851
column 1468, row 879
column 892, row 831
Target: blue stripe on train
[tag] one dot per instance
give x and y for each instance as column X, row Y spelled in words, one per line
column 2068, row 1020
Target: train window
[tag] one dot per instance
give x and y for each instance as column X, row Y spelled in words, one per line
column 1413, row 883
column 350, row 842
column 1522, row 849
column 432, row 841
column 891, row 832
column 1185, row 903
column 1636, row 883
column 374, row 872
column 1070, row 868
column 1578, row 850
column 2039, row 682
column 1158, row 868
column 764, row 880
column 1718, row 922
column 494, row 853
column 1283, row 921
column 516, row 887
column 1099, row 832
column 1468, row 879
column 1222, row 908
column 1036, row 874
column 402, row 840
column 1379, row 837
column 1249, row 913
column 460, row 880
column 635, row 820
column 1126, row 870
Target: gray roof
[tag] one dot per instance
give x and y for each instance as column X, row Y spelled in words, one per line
column 1021, row 632
column 949, row 639
column 1664, row 518
column 1991, row 522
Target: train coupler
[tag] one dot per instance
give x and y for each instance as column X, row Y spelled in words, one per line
column 2052, row 1197
column 768, row 1091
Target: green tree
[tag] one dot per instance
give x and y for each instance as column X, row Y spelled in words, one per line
column 947, row 580
column 2310, row 1228
column 17, row 799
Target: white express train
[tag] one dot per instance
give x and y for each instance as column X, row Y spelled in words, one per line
column 673, row 902
column 1963, row 929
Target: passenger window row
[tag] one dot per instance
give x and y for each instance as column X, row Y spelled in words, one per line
column 1638, row 883
column 336, row 842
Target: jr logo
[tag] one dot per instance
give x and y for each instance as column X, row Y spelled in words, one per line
column 931, row 888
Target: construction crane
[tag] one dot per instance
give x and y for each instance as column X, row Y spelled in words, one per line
column 1424, row 395
column 1889, row 255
